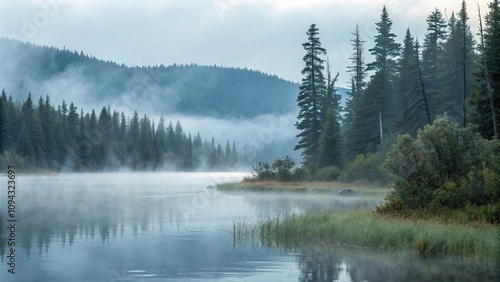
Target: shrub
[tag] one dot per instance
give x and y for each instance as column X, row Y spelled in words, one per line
column 328, row 173
column 445, row 166
column 365, row 169
column 282, row 168
column 263, row 171
column 11, row 158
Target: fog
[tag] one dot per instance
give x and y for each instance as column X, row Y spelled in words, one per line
column 177, row 227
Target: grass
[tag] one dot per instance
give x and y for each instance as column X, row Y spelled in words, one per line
column 297, row 186
column 365, row 228
column 420, row 232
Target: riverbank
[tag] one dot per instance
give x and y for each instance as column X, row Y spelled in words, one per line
column 439, row 235
column 331, row 187
column 367, row 229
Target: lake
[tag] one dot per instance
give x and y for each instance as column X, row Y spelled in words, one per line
column 177, row 227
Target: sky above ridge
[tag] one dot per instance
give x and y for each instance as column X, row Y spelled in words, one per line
column 256, row 34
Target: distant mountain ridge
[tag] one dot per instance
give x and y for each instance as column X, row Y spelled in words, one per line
column 183, row 89
column 214, row 91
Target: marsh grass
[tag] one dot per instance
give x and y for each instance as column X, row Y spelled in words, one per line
column 367, row 229
column 319, row 187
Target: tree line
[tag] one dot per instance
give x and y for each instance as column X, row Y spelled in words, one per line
column 423, row 118
column 45, row 138
column 405, row 87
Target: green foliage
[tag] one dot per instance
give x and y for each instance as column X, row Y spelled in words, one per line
column 328, row 173
column 352, row 118
column 330, row 143
column 486, row 96
column 386, row 48
column 263, row 171
column 281, row 169
column 46, row 138
column 310, row 98
column 8, row 158
column 446, row 166
column 363, row 228
column 365, row 169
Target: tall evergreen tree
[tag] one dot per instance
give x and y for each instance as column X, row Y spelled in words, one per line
column 450, row 99
column 386, row 48
column 2, row 123
column 432, row 52
column 102, row 147
column 412, row 111
column 376, row 108
column 24, row 146
column 330, row 143
column 352, row 120
column 486, row 96
column 311, row 94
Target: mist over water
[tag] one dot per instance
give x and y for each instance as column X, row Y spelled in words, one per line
column 177, row 227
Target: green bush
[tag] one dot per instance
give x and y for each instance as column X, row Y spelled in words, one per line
column 263, row 171
column 328, row 173
column 281, row 169
column 446, row 166
column 8, row 158
column 365, row 169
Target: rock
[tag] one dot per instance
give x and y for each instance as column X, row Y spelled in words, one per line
column 347, row 192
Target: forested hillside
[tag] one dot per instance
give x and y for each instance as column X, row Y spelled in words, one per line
column 188, row 89
column 43, row 137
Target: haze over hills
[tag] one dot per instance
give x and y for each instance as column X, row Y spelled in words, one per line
column 183, row 89
column 257, row 110
column 214, row 91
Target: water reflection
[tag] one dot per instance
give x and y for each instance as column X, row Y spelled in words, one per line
column 340, row 263
column 286, row 204
column 63, row 209
column 170, row 227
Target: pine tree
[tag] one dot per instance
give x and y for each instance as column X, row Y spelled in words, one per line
column 357, row 70
column 311, row 93
column 432, row 52
column 227, row 154
column 330, row 143
column 2, row 123
column 146, row 147
column 197, row 150
column 103, row 145
column 376, row 106
column 352, row 120
column 386, row 49
column 234, row 155
column 73, row 122
column 160, row 142
column 24, row 146
column 412, row 111
column 450, row 99
column 486, row 96
column 187, row 157
column 465, row 30
column 382, row 86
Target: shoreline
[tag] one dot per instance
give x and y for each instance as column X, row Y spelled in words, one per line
column 432, row 236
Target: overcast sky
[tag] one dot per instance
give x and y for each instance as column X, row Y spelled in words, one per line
column 259, row 34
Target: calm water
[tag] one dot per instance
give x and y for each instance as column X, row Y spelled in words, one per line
column 171, row 227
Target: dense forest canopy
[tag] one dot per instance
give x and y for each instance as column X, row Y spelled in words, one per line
column 43, row 137
column 404, row 88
